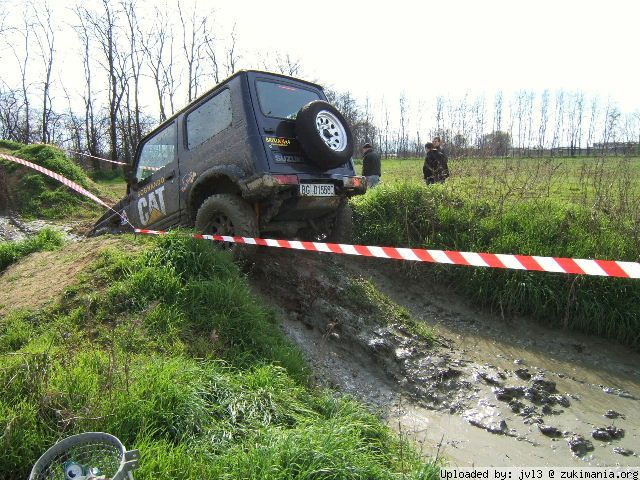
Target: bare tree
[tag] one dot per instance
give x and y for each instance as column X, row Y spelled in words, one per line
column 479, row 112
column 439, row 113
column 593, row 118
column 402, row 140
column 544, row 120
column 153, row 45
column 22, row 59
column 45, row 37
column 576, row 113
column 559, row 119
column 210, row 51
column 10, row 114
column 193, row 42
column 134, row 36
column 498, row 108
column 610, row 131
column 103, row 27
column 90, row 126
column 232, row 55
column 284, row 64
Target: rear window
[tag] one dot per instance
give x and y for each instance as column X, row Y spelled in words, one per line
column 283, row 101
column 209, row 119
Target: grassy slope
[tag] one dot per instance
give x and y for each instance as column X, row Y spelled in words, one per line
column 168, row 350
column 35, row 195
column 410, row 214
column 46, row 239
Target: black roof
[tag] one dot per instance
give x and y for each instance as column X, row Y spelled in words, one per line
column 227, row 80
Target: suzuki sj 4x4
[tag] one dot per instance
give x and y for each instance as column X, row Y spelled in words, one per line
column 260, row 154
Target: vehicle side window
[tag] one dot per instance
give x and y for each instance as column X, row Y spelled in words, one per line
column 157, row 152
column 209, row 119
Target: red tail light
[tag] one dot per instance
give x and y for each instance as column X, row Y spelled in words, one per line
column 355, row 182
column 287, row 179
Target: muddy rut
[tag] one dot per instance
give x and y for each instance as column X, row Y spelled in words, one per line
column 485, row 391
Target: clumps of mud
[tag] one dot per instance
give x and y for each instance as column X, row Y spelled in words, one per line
column 579, row 445
column 321, row 296
column 606, row 434
column 434, row 373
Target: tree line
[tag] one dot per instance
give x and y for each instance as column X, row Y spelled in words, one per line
column 134, row 67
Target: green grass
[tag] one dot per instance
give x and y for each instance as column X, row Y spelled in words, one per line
column 606, row 182
column 439, row 217
column 46, row 239
column 10, row 145
column 168, row 350
column 35, row 195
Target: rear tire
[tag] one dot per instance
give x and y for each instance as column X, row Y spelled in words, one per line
column 227, row 214
column 338, row 229
column 342, row 231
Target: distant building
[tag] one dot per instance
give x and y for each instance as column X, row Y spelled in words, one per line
column 618, row 147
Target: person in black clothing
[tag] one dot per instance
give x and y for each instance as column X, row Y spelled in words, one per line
column 431, row 165
column 371, row 165
column 442, row 172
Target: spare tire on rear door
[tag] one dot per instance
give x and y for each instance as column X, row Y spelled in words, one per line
column 324, row 134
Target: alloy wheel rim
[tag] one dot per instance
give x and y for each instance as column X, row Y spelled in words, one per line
column 331, row 131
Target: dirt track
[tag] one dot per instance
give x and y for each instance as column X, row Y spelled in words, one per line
column 484, row 392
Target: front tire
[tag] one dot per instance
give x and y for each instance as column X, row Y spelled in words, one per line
column 226, row 214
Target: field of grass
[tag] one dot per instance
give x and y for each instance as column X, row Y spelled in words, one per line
column 168, row 350
column 443, row 217
column 608, row 183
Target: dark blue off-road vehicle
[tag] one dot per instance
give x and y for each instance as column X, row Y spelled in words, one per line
column 259, row 154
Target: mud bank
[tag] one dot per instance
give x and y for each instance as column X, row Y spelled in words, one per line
column 15, row 228
column 484, row 390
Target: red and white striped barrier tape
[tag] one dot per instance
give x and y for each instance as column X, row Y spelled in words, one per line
column 603, row 268
column 55, row 176
column 577, row 266
column 65, row 181
column 97, row 158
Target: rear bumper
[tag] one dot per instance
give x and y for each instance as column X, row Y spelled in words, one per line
column 267, row 184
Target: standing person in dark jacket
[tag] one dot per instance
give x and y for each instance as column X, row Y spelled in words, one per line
column 431, row 165
column 443, row 161
column 371, row 165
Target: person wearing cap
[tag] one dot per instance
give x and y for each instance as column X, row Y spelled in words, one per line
column 371, row 165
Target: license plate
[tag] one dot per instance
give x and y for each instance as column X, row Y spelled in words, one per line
column 317, row 190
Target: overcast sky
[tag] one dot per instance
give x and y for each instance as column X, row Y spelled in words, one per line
column 420, row 49
column 429, row 48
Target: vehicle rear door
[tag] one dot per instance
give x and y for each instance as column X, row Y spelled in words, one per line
column 154, row 199
column 276, row 102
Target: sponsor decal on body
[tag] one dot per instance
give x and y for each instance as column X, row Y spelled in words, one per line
column 278, row 141
column 187, row 180
column 151, row 207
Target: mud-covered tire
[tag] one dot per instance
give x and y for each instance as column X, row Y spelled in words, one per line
column 342, row 231
column 227, row 214
column 324, row 134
